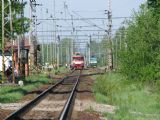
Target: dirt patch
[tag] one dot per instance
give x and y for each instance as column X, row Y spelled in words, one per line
column 84, row 93
column 87, row 116
column 84, row 90
column 4, row 113
column 88, row 105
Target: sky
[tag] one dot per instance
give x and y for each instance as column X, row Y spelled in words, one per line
column 82, row 9
column 88, row 8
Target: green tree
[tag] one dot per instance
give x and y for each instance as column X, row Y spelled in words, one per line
column 18, row 22
column 140, row 58
column 65, row 49
column 154, row 5
column 119, row 45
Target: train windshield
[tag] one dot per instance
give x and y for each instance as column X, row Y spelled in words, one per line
column 93, row 59
column 78, row 58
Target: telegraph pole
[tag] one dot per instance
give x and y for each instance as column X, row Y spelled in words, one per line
column 110, row 54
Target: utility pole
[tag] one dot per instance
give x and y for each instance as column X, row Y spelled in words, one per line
column 72, row 40
column 12, row 41
column 68, row 43
column 110, row 54
column 42, row 51
column 69, row 58
column 7, row 19
column 47, row 44
column 47, row 52
column 55, row 38
column 89, row 48
column 3, row 41
column 32, row 32
column 98, row 46
column 22, row 40
column 58, row 41
column 100, row 58
column 61, row 52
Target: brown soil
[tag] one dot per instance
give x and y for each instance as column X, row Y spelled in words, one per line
column 88, row 116
column 4, row 113
column 84, row 93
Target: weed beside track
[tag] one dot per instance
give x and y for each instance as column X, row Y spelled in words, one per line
column 133, row 99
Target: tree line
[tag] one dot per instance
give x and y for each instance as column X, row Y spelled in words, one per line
column 137, row 44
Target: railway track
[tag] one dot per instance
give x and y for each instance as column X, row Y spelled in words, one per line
column 64, row 89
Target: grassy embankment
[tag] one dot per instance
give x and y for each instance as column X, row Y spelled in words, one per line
column 13, row 93
column 134, row 100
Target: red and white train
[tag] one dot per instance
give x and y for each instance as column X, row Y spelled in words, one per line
column 77, row 61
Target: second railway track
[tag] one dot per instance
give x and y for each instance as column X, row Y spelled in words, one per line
column 55, row 103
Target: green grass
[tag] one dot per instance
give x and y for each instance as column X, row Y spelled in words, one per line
column 90, row 109
column 135, row 99
column 11, row 93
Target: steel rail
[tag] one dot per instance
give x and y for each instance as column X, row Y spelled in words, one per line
column 17, row 114
column 68, row 106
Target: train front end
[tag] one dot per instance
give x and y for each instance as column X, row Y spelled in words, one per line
column 78, row 62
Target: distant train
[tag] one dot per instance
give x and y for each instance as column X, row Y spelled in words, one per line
column 93, row 61
column 77, row 61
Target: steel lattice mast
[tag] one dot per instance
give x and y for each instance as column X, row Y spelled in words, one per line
column 3, row 42
column 7, row 42
column 12, row 40
column 110, row 54
column 33, row 34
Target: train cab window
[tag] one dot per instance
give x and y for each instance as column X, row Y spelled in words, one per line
column 78, row 58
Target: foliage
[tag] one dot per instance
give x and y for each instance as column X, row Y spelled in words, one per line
column 18, row 22
column 64, row 51
column 139, row 53
column 133, row 100
column 11, row 93
column 154, row 5
column 98, row 49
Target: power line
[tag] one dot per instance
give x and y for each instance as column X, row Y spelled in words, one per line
column 72, row 30
column 77, row 30
column 69, row 35
column 81, row 19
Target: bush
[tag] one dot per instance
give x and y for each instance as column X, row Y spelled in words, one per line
column 134, row 99
column 140, row 46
